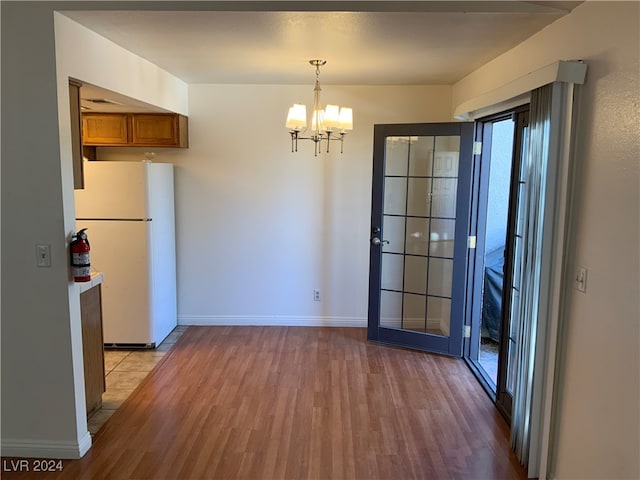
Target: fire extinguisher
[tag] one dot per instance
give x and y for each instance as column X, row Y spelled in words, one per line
column 80, row 263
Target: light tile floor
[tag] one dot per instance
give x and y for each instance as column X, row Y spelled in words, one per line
column 124, row 370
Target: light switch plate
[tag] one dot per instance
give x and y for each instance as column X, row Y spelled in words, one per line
column 43, row 256
column 580, row 282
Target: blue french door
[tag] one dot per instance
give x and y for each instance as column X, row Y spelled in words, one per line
column 419, row 235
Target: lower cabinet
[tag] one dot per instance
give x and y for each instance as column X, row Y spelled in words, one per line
column 92, row 347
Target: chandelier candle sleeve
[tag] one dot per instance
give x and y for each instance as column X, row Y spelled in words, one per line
column 297, row 118
column 330, row 123
column 331, row 117
column 345, row 121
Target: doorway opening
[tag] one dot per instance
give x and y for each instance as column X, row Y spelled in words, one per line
column 496, row 190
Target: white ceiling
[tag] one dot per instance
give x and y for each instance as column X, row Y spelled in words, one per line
column 427, row 43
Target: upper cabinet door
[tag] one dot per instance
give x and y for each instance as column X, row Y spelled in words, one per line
column 156, row 129
column 104, row 129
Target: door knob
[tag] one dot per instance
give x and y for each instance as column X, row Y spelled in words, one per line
column 375, row 241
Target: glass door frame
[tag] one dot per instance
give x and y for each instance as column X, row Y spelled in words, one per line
column 483, row 133
column 452, row 344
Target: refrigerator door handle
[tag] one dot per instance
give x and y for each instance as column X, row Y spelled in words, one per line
column 86, row 219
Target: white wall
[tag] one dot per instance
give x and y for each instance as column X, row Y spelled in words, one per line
column 38, row 397
column 43, row 409
column 598, row 413
column 258, row 227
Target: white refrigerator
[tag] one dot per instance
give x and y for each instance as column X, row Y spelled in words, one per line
column 128, row 211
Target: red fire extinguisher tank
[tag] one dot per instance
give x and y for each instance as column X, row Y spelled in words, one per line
column 80, row 261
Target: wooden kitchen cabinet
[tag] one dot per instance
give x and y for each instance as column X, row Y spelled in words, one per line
column 135, row 129
column 105, row 129
column 92, row 347
column 157, row 130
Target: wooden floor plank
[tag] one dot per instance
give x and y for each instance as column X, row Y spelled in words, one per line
column 299, row 403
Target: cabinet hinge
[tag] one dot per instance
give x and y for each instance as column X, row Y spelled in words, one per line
column 467, row 331
column 477, row 148
column 471, row 242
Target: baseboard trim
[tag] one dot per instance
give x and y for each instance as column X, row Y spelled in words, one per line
column 46, row 449
column 271, row 320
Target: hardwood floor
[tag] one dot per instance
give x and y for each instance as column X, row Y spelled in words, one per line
column 298, row 403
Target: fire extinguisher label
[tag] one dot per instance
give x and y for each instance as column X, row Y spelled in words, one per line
column 82, row 272
column 80, row 266
column 80, row 259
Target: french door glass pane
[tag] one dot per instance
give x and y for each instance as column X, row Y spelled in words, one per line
column 442, row 237
column 415, row 274
column 418, row 236
column 421, row 156
column 414, row 312
column 396, row 156
column 440, row 275
column 443, row 197
column 395, row 196
column 390, row 309
column 419, row 197
column 439, row 320
column 392, row 271
column 394, row 231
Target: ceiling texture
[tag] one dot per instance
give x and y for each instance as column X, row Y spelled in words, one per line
column 364, row 43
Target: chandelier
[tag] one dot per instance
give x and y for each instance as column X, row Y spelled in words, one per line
column 329, row 124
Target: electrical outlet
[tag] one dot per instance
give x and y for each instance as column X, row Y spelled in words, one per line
column 316, row 295
column 580, row 283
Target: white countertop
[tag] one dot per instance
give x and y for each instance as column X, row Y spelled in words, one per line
column 96, row 279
